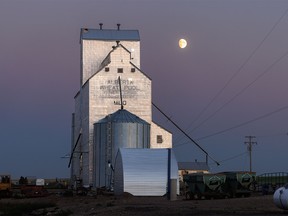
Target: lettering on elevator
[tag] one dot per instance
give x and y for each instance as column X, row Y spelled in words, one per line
column 111, row 89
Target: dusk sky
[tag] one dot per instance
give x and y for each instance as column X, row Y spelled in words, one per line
column 229, row 82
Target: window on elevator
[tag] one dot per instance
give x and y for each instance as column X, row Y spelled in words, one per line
column 159, row 139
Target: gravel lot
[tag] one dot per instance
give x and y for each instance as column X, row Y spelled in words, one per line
column 129, row 205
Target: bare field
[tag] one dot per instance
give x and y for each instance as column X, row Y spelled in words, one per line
column 152, row 206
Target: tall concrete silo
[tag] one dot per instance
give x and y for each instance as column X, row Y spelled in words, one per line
column 121, row 129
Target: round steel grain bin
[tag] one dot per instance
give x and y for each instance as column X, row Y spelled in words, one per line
column 121, row 129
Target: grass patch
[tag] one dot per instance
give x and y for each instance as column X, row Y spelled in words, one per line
column 22, row 208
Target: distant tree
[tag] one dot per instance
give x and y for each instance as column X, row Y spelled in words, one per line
column 23, row 181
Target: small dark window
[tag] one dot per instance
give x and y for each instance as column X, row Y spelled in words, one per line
column 133, row 70
column 120, row 70
column 106, row 69
column 159, row 139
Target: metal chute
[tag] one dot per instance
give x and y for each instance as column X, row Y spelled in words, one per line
column 73, row 150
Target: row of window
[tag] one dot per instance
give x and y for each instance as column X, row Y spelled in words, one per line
column 119, row 70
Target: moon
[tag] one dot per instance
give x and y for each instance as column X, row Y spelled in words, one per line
column 182, row 43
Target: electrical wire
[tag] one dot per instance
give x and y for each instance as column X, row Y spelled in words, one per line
column 242, row 90
column 232, row 77
column 245, row 62
column 240, row 125
column 273, row 135
column 244, row 123
column 231, row 158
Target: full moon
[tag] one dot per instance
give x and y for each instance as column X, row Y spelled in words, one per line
column 182, row 43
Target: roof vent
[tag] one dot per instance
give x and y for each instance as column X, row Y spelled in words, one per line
column 100, row 24
column 118, row 26
column 117, row 42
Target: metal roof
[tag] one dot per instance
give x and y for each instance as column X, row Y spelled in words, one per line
column 123, row 116
column 110, row 34
column 193, row 166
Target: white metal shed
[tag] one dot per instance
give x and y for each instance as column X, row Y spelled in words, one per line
column 144, row 172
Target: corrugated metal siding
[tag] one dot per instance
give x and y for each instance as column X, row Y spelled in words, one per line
column 145, row 171
column 126, row 131
column 102, row 173
column 110, row 34
column 130, row 135
column 150, row 167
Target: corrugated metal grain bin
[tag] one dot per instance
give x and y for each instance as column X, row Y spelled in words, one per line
column 144, row 172
column 121, row 129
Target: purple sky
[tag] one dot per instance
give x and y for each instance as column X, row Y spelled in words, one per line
column 40, row 72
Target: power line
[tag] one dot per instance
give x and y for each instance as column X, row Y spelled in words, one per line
column 238, row 94
column 245, row 62
column 233, row 157
column 234, row 75
column 244, row 123
column 272, row 135
column 241, row 91
column 258, row 136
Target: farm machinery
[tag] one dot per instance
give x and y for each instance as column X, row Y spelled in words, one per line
column 219, row 185
column 5, row 186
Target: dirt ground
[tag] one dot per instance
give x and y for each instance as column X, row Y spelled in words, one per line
column 152, row 206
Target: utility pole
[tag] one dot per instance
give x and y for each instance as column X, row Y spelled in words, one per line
column 249, row 147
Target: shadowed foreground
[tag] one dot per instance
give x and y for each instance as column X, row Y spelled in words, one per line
column 129, row 205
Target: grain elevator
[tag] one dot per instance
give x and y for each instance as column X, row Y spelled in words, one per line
column 110, row 61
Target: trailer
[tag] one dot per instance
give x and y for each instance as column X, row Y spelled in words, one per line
column 219, row 185
column 204, row 185
column 239, row 184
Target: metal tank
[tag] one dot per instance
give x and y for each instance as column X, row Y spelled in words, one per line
column 121, row 129
column 280, row 197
